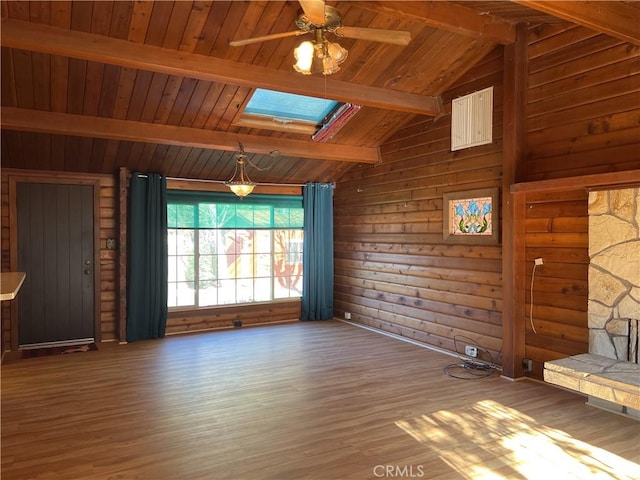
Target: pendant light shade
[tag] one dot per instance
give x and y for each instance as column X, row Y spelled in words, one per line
column 241, row 189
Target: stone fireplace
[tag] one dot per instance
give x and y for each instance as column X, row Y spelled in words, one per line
column 614, row 273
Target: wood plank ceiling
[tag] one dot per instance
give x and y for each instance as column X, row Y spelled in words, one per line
column 155, row 86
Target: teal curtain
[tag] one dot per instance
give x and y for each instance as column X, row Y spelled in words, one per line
column 317, row 264
column 147, row 254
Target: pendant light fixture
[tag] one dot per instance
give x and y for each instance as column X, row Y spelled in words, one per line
column 240, row 183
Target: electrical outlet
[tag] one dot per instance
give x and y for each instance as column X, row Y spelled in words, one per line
column 539, row 261
column 471, row 351
column 347, row 315
column 527, row 364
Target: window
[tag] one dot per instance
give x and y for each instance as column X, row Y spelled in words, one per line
column 223, row 250
column 286, row 112
column 289, row 106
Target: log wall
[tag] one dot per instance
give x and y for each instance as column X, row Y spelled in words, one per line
column 393, row 270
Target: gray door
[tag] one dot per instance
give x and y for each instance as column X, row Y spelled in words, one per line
column 55, row 249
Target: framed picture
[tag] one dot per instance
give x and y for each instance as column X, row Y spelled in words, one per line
column 471, row 217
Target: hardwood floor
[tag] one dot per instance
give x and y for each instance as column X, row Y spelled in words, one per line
column 317, row 400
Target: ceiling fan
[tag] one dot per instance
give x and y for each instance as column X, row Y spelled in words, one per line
column 319, row 19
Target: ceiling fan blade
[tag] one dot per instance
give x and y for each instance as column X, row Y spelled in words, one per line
column 314, row 10
column 397, row 37
column 273, row 36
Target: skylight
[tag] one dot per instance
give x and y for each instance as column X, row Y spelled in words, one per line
column 289, row 106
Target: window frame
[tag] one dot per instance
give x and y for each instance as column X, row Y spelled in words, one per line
column 281, row 123
column 225, row 197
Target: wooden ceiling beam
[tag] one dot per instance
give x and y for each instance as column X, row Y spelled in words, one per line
column 102, row 49
column 450, row 17
column 618, row 19
column 86, row 126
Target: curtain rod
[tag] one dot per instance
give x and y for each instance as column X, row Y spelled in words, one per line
column 258, row 184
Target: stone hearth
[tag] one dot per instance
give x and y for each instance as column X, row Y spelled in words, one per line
column 614, row 381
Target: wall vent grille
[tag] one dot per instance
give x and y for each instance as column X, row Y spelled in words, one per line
column 472, row 119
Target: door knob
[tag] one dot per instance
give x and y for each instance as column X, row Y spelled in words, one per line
column 87, row 271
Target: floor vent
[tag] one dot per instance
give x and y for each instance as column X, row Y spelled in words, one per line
column 472, row 119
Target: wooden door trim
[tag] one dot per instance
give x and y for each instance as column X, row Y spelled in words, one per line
column 123, row 217
column 14, row 180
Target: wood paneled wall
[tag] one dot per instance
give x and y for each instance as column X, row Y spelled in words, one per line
column 5, row 259
column 392, row 269
column 583, row 118
column 583, row 114
column 189, row 321
column 107, row 228
column 557, row 228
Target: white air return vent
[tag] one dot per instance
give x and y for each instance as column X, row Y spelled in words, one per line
column 472, row 119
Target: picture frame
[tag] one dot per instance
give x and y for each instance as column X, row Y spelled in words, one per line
column 471, row 217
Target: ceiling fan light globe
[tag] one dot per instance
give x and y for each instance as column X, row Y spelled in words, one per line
column 304, row 57
column 302, row 70
column 337, row 52
column 329, row 65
